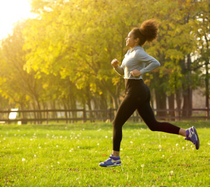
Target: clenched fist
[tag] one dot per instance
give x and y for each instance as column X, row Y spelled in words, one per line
column 114, row 63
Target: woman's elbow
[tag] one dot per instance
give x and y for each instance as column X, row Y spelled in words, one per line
column 158, row 64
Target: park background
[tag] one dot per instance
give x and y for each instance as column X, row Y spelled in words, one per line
column 60, row 59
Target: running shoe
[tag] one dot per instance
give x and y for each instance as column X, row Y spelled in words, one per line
column 111, row 161
column 193, row 136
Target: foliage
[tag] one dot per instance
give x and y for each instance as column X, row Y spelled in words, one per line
column 16, row 84
column 73, row 42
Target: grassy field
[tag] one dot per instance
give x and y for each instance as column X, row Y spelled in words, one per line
column 68, row 155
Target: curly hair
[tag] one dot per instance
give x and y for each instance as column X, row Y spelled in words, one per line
column 147, row 32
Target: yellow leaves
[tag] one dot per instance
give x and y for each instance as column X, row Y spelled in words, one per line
column 2, row 80
column 27, row 98
column 174, row 54
column 116, row 80
column 84, row 35
column 189, row 1
column 172, row 25
column 93, row 87
column 27, row 68
column 50, row 48
column 45, row 85
column 177, row 30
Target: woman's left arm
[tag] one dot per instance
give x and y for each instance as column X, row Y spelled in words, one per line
column 151, row 62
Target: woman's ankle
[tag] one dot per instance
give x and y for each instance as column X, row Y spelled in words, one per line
column 115, row 153
column 182, row 132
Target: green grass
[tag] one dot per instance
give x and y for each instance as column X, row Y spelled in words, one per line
column 68, row 155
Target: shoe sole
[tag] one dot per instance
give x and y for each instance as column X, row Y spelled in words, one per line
column 197, row 144
column 111, row 165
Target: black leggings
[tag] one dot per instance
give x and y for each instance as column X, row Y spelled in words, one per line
column 137, row 98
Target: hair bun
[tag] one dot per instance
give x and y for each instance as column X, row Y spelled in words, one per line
column 149, row 29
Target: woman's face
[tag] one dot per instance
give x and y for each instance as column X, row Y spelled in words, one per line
column 130, row 41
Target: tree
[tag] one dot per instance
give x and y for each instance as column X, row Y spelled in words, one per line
column 173, row 49
column 80, row 43
column 69, row 45
column 202, row 54
column 16, row 83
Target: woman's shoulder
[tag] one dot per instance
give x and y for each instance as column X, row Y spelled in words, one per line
column 140, row 51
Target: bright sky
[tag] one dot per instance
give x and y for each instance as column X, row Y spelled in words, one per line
column 10, row 12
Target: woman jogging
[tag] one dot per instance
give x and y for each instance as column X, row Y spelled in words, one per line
column 135, row 64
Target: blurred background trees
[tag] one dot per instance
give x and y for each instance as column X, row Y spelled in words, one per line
column 61, row 58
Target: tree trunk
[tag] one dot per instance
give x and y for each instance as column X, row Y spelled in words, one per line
column 178, row 102
column 187, row 91
column 54, row 114
column 161, row 103
column 73, row 105
column 103, row 101
column 103, row 105
column 207, row 89
column 72, row 100
column 115, row 96
column 187, row 104
column 171, row 106
column 88, row 102
column 65, row 108
column 90, row 109
column 35, row 114
column 39, row 114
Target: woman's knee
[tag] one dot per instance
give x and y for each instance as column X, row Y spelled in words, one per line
column 117, row 125
column 153, row 126
column 114, row 124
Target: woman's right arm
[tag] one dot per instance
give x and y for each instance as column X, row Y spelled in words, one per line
column 116, row 67
column 119, row 70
